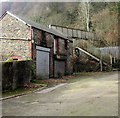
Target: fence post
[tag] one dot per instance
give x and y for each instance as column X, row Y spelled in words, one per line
column 114, row 59
column 101, row 66
column 111, row 59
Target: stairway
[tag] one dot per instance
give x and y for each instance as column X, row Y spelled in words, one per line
column 81, row 41
column 94, row 52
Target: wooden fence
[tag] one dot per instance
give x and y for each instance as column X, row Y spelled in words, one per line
column 113, row 51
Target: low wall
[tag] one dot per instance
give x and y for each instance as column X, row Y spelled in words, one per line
column 15, row 74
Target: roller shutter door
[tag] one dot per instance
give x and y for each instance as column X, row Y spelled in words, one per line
column 42, row 62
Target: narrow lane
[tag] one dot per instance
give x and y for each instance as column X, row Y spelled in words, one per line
column 91, row 96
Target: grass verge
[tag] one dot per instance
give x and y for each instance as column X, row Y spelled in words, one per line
column 36, row 84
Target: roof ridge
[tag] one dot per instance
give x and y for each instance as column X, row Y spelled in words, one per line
column 36, row 25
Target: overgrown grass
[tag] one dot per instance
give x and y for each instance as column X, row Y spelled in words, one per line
column 35, row 81
column 23, row 90
column 17, row 91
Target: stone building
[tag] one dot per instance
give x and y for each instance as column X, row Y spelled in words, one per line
column 23, row 39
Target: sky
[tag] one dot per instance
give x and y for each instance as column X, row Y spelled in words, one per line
column 3, row 0
column 58, row 0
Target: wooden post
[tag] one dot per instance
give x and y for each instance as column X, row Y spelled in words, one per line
column 114, row 59
column 74, row 45
column 101, row 66
column 111, row 59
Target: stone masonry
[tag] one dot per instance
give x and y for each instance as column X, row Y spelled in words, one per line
column 12, row 28
column 15, row 39
column 19, row 48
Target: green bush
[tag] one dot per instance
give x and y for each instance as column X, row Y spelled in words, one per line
column 38, row 77
column 9, row 60
column 117, row 64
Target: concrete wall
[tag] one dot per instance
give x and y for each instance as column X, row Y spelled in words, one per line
column 14, row 29
column 15, row 74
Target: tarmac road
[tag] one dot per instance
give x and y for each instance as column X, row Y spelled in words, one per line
column 85, row 96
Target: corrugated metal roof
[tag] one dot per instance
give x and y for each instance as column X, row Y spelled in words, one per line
column 38, row 26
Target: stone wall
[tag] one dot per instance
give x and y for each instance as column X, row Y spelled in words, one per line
column 38, row 38
column 12, row 28
column 15, row 74
column 19, row 48
column 37, row 35
column 13, row 33
column 50, row 40
column 50, row 43
column 62, row 49
column 69, row 62
column 86, row 64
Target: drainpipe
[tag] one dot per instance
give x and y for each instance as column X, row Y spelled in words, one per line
column 32, row 41
column 111, row 60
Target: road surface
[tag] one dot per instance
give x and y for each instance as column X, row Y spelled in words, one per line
column 83, row 96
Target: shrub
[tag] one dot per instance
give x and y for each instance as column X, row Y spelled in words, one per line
column 9, row 60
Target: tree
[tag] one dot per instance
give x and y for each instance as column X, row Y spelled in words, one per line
column 87, row 10
column 84, row 13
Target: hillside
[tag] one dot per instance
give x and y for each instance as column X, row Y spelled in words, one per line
column 102, row 17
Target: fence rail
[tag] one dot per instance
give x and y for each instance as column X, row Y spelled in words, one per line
column 104, row 54
column 114, row 51
column 95, row 51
